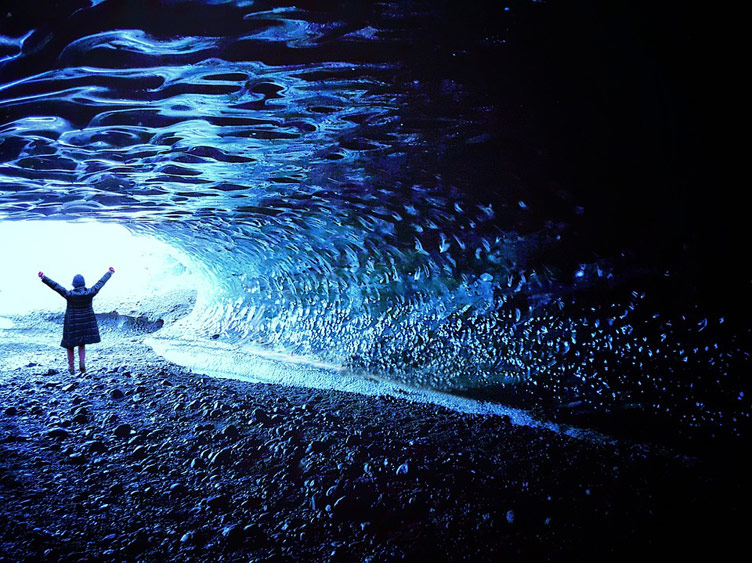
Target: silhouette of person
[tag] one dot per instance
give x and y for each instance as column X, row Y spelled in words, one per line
column 80, row 325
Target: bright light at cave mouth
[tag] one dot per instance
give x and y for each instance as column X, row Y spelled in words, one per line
column 144, row 266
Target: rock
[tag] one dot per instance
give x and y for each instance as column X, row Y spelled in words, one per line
column 403, row 469
column 332, row 491
column 77, row 458
column 253, row 532
column 318, row 502
column 197, row 463
column 138, row 439
column 123, row 430
column 341, row 553
column 351, row 507
column 417, row 506
column 218, row 502
column 11, row 411
column 70, row 387
column 510, row 516
column 116, row 394
column 138, row 544
column 95, row 447
column 80, row 419
column 233, row 535
column 13, row 438
column 316, row 446
column 51, row 371
column 139, row 453
column 222, row 457
column 277, row 418
column 231, row 432
column 331, row 418
column 116, row 490
column 60, row 433
column 177, row 489
column 188, row 537
column 259, row 415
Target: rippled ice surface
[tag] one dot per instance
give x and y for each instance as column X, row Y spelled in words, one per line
column 360, row 184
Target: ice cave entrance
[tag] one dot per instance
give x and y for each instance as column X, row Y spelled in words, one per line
column 145, row 266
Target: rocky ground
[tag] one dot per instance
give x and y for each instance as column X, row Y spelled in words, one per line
column 142, row 460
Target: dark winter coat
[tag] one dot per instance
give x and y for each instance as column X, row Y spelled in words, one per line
column 80, row 325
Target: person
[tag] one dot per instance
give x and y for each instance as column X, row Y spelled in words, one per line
column 80, row 325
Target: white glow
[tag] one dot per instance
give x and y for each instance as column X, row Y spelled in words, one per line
column 143, row 265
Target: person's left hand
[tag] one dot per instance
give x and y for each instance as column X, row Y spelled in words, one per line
column 41, row 274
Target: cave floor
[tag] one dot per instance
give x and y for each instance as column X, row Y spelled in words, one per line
column 142, row 460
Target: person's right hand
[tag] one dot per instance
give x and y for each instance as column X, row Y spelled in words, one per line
column 41, row 274
column 112, row 270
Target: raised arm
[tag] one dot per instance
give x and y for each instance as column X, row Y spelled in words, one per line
column 54, row 285
column 100, row 284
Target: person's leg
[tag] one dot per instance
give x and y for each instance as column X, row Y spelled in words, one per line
column 82, row 358
column 71, row 369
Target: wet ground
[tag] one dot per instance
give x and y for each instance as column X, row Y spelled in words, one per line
column 142, row 460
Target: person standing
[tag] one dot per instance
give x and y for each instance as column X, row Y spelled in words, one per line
column 80, row 325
